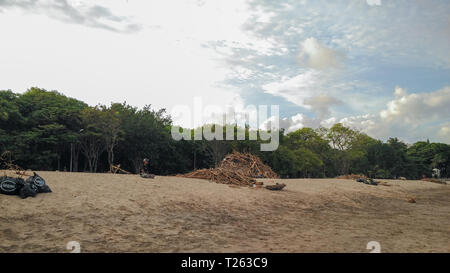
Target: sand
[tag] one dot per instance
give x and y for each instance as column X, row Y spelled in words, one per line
column 126, row 213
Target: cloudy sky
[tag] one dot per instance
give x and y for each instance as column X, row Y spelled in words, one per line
column 379, row 66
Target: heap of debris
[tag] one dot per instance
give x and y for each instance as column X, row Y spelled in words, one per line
column 368, row 181
column 247, row 164
column 352, row 176
column 237, row 169
column 222, row 176
column 24, row 188
column 7, row 163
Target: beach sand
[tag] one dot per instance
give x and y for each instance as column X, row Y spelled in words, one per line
column 126, row 213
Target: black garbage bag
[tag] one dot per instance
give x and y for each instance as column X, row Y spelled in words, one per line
column 372, row 182
column 147, row 175
column 38, row 183
column 10, row 185
column 28, row 189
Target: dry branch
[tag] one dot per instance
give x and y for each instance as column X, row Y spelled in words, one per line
column 116, row 169
column 6, row 157
column 237, row 169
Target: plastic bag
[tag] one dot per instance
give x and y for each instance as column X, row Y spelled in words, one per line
column 28, row 189
column 39, row 183
column 11, row 186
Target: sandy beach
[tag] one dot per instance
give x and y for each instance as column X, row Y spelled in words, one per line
column 126, row 213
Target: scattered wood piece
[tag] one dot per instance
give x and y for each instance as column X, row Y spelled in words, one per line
column 6, row 159
column 276, row 187
column 222, row 176
column 434, row 180
column 352, row 176
column 116, row 169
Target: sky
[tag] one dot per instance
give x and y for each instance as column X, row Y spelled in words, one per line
column 379, row 66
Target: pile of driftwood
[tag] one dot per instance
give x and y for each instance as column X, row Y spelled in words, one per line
column 7, row 163
column 247, row 164
column 237, row 169
column 222, row 176
column 352, row 176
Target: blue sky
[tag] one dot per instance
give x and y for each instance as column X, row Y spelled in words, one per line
column 379, row 66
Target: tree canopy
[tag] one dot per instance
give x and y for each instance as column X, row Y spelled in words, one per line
column 45, row 130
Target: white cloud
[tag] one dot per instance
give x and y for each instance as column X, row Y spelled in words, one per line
column 321, row 104
column 368, row 123
column 314, row 90
column 164, row 66
column 373, row 2
column 444, row 133
column 199, row 44
column 76, row 12
column 415, row 108
column 411, row 117
column 289, row 124
column 408, row 116
column 315, row 55
column 399, row 92
column 295, row 89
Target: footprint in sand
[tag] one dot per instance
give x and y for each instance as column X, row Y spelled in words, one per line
column 10, row 234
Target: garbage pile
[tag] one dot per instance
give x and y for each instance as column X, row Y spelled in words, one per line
column 368, row 181
column 237, row 169
column 23, row 188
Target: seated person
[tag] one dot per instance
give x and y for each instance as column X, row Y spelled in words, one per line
column 145, row 171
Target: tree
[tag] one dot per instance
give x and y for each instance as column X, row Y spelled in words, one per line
column 342, row 139
column 45, row 132
column 311, row 150
column 91, row 139
column 216, row 148
column 110, row 128
column 11, row 120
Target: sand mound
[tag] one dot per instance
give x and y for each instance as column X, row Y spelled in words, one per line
column 124, row 213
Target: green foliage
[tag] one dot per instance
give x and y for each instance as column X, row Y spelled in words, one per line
column 45, row 130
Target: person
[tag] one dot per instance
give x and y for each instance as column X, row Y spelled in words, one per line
column 146, row 167
column 145, row 171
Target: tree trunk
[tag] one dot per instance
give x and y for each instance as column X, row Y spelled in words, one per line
column 76, row 156
column 137, row 164
column 195, row 157
column 110, row 151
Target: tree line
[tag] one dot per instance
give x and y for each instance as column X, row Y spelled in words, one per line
column 45, row 130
